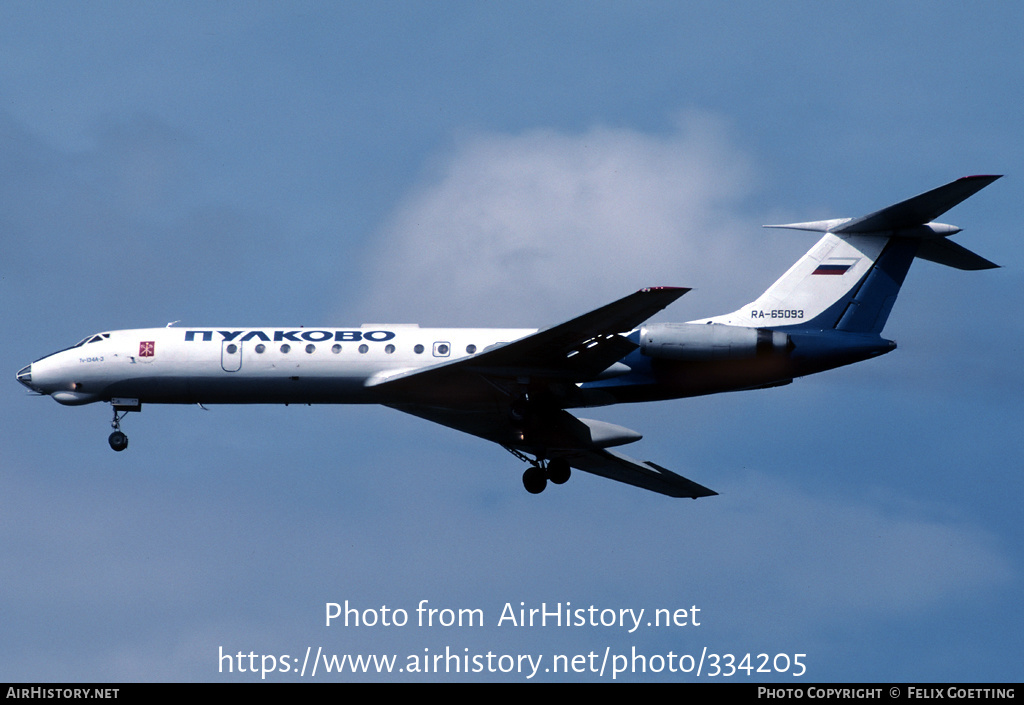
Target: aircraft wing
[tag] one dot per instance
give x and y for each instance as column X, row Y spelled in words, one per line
column 564, row 436
column 473, row 394
column 586, row 345
column 574, row 351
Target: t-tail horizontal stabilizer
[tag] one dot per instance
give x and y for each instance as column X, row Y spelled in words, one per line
column 850, row 279
column 912, row 218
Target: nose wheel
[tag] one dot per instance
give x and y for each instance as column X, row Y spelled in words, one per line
column 118, row 440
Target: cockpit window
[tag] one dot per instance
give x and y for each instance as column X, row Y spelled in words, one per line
column 80, row 343
column 91, row 339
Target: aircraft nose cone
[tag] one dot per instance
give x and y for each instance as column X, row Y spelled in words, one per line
column 25, row 377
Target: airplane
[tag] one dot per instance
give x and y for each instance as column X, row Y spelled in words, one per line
column 514, row 386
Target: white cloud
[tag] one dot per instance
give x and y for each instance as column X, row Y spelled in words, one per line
column 528, row 229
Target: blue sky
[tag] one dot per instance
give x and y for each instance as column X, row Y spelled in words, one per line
column 507, row 164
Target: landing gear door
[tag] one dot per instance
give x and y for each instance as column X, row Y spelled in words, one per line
column 231, row 356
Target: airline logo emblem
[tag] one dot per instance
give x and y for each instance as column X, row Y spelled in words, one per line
column 147, row 348
column 295, row 336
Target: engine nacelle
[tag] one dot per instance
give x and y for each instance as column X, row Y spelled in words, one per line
column 711, row 341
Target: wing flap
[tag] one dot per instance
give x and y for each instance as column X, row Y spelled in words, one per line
column 643, row 474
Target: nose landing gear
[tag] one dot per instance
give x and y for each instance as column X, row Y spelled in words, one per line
column 118, row 440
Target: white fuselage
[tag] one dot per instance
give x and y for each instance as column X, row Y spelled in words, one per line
column 250, row 365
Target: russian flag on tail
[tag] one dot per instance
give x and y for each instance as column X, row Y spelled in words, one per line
column 835, row 266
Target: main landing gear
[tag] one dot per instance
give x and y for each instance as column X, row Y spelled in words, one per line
column 536, row 477
column 526, row 414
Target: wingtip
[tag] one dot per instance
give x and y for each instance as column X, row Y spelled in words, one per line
column 677, row 290
column 983, row 180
